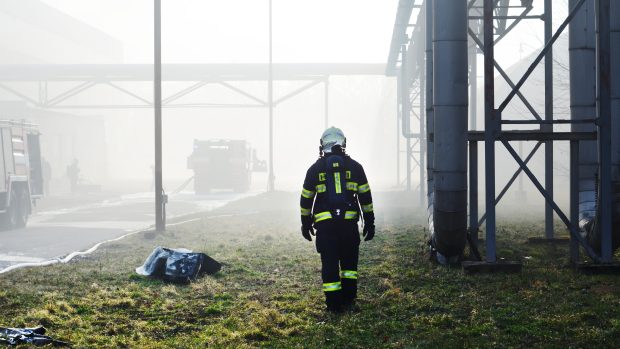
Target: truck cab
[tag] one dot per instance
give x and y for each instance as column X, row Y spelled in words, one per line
column 222, row 164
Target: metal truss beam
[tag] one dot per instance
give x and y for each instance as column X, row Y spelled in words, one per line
column 536, row 136
column 88, row 76
column 511, row 180
column 298, row 91
column 575, row 234
column 182, row 72
column 501, row 71
column 540, row 56
column 184, row 92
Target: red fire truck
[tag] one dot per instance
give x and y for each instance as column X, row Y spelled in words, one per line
column 21, row 176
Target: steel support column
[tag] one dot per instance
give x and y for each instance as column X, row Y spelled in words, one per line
column 491, row 128
column 160, row 224
column 326, row 98
column 548, row 117
column 271, row 176
column 574, row 199
column 473, row 193
column 409, row 157
column 473, row 87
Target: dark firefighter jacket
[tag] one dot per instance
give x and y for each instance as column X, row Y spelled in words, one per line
column 341, row 189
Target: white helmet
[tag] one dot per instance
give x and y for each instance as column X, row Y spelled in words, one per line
column 331, row 137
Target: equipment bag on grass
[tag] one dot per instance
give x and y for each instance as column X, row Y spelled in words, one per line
column 178, row 265
column 35, row 336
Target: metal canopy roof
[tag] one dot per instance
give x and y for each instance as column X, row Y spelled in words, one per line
column 181, row 72
column 399, row 34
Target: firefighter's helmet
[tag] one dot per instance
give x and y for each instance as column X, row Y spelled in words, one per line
column 333, row 137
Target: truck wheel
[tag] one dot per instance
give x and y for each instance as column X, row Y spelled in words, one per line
column 17, row 214
column 24, row 209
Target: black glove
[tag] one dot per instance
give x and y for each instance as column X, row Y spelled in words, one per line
column 369, row 231
column 306, row 227
column 369, row 226
column 306, row 232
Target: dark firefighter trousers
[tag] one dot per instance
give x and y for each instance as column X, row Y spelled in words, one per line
column 338, row 240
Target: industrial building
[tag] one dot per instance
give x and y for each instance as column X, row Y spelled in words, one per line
column 35, row 33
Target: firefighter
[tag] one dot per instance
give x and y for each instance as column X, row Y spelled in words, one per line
column 334, row 193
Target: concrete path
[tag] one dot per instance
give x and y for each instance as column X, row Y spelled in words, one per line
column 55, row 233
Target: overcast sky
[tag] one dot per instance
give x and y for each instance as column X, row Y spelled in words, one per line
column 203, row 31
column 237, row 30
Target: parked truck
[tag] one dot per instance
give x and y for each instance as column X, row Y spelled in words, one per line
column 223, row 164
column 21, row 175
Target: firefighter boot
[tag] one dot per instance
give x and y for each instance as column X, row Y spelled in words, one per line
column 349, row 293
column 333, row 300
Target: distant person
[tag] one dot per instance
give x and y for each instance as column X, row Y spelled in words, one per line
column 337, row 186
column 47, row 175
column 73, row 173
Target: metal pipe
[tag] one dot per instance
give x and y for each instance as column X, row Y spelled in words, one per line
column 473, row 147
column 615, row 116
column 604, row 217
column 615, row 89
column 582, row 58
column 405, row 111
column 398, row 116
column 422, row 86
column 606, row 231
column 159, row 191
column 604, row 234
column 473, row 193
column 450, row 104
column 430, row 118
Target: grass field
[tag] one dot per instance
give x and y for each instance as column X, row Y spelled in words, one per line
column 269, row 292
